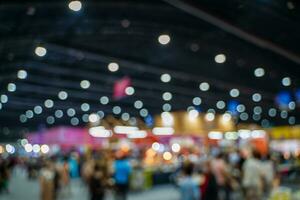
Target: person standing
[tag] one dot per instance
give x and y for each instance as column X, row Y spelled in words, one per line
column 47, row 182
column 122, row 171
column 97, row 184
column 189, row 188
column 252, row 177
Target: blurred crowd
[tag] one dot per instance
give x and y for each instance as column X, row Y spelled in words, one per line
column 241, row 174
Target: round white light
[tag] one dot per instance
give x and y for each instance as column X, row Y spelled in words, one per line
column 129, row 90
column 104, row 100
column 204, row 86
column 286, row 81
column 256, row 97
column 117, row 110
column 36, row 148
column 28, row 148
column 50, row 120
column 155, row 146
column 241, row 108
column 164, row 39
column 244, row 116
column 167, row 119
column 85, row 84
column 167, row 156
column 167, row 96
column 292, row 105
column 74, row 121
column 75, row 5
column 85, row 118
column 59, row 114
column 93, row 118
column 40, row 51
column 167, row 107
column 221, row 104
column 138, row 104
column 23, row 118
column 272, row 112
column 259, row 72
column 256, row 117
column 176, row 147
column 257, row 110
column 226, row 117
column 62, row 95
column 284, row 114
column 24, row 142
column 10, row 149
column 144, row 112
column 220, row 58
column 4, row 98
column 292, row 120
column 193, row 114
column 38, row 110
column 71, row 112
column 22, row 74
column 29, row 114
column 165, row 78
column 49, row 103
column 11, row 87
column 85, row 107
column 234, row 92
column 210, row 116
column 197, row 101
column 45, row 148
column 101, row 114
column 113, row 67
column 125, row 116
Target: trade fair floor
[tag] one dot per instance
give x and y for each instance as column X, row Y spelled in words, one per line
column 22, row 189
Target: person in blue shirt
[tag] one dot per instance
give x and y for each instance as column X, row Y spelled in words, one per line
column 189, row 188
column 122, row 171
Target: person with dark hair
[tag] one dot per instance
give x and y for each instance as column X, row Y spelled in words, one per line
column 97, row 184
column 189, row 188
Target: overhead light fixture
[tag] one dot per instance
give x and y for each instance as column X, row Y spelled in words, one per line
column 244, row 133
column 93, row 118
column 164, row 39
column 220, row 58
column 40, row 51
column 100, row 131
column 113, row 67
column 163, row 131
column 75, row 6
column 167, row 119
column 210, row 116
column 204, row 86
column 125, row 129
column 22, row 74
column 259, row 72
column 165, row 78
column 137, row 134
column 85, row 84
column 286, row 81
column 215, row 135
column 129, row 90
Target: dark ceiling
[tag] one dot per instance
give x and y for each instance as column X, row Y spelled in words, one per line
column 251, row 33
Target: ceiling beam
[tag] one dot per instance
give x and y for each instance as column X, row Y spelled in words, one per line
column 236, row 31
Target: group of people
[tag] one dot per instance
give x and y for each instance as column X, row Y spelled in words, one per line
column 99, row 173
column 250, row 176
